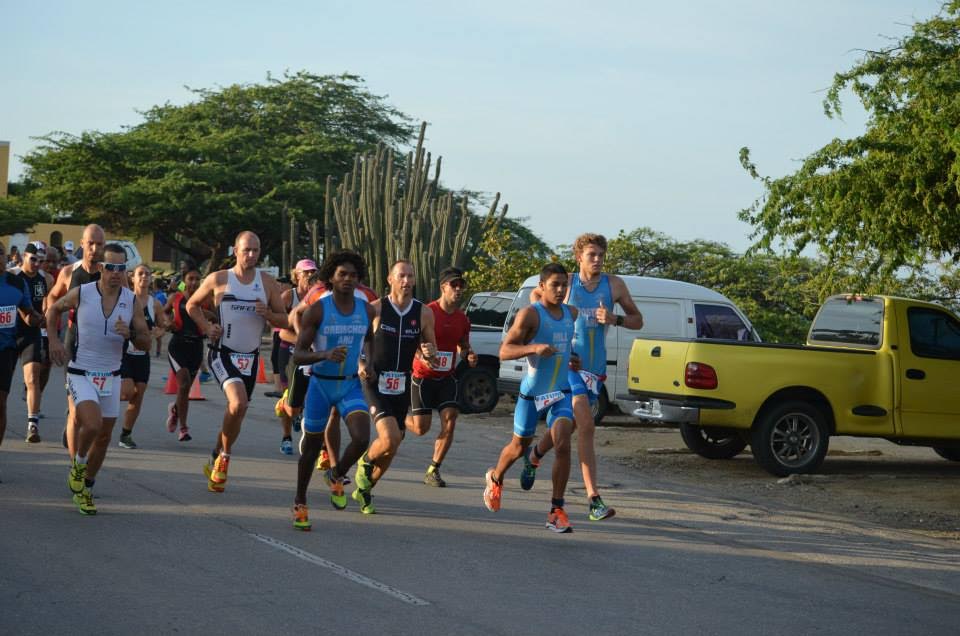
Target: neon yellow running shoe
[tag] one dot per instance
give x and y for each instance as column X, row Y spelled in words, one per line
column 365, row 499
column 301, row 518
column 362, row 477
column 338, row 499
column 78, row 473
column 84, row 501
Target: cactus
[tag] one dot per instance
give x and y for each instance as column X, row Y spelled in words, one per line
column 385, row 214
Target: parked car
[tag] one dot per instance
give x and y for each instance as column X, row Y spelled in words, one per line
column 133, row 254
column 487, row 312
column 873, row 366
column 670, row 308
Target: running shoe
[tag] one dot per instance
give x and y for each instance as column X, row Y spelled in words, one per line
column 286, row 446
column 33, row 433
column 297, row 425
column 171, row 417
column 204, row 377
column 529, row 473
column 365, row 499
column 126, row 441
column 557, row 521
column 599, row 510
column 278, row 408
column 218, row 474
column 78, row 473
column 362, row 476
column 337, row 497
column 492, row 493
column 433, row 478
column 323, row 460
column 84, row 501
column 273, row 394
column 184, row 434
column 301, row 519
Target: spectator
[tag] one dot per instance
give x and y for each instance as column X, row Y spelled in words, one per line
column 68, row 253
column 15, row 259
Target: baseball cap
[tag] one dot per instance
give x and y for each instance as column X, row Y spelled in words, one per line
column 451, row 274
column 68, row 246
column 32, row 248
column 305, row 265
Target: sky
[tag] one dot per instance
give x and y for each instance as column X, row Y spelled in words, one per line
column 593, row 118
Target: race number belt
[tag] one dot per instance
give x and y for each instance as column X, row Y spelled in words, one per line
column 243, row 362
column 392, row 382
column 8, row 316
column 444, row 361
column 592, row 380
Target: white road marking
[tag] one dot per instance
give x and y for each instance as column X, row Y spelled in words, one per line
column 346, row 573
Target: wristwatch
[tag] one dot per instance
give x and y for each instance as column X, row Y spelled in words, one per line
column 619, row 321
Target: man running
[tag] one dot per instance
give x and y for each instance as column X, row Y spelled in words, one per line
column 435, row 388
column 542, row 333
column 400, row 329
column 135, row 368
column 34, row 352
column 107, row 314
column 332, row 337
column 594, row 293
column 15, row 304
column 246, row 299
column 184, row 351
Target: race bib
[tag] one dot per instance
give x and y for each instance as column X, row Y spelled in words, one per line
column 444, row 361
column 547, row 399
column 43, row 332
column 393, row 382
column 8, row 316
column 101, row 381
column 592, row 381
column 243, row 362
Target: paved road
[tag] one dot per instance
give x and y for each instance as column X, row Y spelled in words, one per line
column 163, row 555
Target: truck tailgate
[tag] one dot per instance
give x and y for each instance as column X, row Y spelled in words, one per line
column 657, row 366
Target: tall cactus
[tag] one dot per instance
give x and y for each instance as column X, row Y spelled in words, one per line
column 385, row 214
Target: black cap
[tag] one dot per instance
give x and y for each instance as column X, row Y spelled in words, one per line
column 451, row 274
column 30, row 249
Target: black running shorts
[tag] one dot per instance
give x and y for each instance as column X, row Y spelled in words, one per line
column 186, row 353
column 136, row 367
column 8, row 364
column 233, row 366
column 427, row 394
column 381, row 406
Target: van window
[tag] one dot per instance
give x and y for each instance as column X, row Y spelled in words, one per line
column 660, row 318
column 933, row 334
column 521, row 300
column 488, row 311
column 720, row 322
column 854, row 322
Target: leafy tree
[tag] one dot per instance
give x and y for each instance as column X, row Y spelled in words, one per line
column 891, row 196
column 19, row 211
column 237, row 158
column 505, row 258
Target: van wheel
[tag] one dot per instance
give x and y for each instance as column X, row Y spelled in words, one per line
column 953, row 454
column 789, row 438
column 711, row 442
column 478, row 390
column 601, row 407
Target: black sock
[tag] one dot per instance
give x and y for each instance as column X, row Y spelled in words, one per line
column 125, row 433
column 33, row 419
column 556, row 503
column 434, row 465
column 287, row 438
column 89, row 482
column 595, row 499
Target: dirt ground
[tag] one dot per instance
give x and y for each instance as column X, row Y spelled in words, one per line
column 903, row 487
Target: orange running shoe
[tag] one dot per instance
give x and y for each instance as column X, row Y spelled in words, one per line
column 491, row 494
column 301, row 519
column 218, row 474
column 558, row 522
column 323, row 462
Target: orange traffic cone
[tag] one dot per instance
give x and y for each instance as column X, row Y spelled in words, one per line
column 262, row 374
column 171, row 388
column 195, row 393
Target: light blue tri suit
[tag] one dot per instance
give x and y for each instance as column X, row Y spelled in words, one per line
column 336, row 383
column 590, row 338
column 546, row 376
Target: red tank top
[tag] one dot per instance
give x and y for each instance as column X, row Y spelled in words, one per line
column 450, row 329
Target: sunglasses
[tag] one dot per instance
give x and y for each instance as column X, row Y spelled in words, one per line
column 32, row 259
column 115, row 267
column 457, row 284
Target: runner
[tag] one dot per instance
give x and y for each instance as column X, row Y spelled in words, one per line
column 542, row 333
column 277, row 371
column 80, row 272
column 14, row 303
column 436, row 388
column 400, row 328
column 338, row 329
column 304, row 278
column 135, row 369
column 184, row 351
column 246, row 299
column 34, row 352
column 107, row 314
column 594, row 294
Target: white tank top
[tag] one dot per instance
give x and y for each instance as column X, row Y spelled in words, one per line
column 99, row 346
column 242, row 327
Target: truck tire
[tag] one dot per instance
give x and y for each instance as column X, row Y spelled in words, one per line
column 953, row 454
column 790, row 437
column 478, row 390
column 712, row 443
column 601, row 407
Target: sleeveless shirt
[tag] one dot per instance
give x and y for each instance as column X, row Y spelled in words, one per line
column 242, row 327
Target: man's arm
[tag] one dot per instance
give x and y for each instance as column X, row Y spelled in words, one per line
column 195, row 309
column 363, row 367
column 274, row 310
column 465, row 350
column 139, row 332
column 428, row 338
column 70, row 301
column 621, row 296
column 61, row 286
column 302, row 351
column 514, row 345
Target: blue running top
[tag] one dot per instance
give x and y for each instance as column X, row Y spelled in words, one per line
column 336, row 330
column 549, row 374
column 590, row 338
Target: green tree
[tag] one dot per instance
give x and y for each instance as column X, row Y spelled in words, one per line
column 19, row 210
column 238, row 158
column 504, row 259
column 890, row 197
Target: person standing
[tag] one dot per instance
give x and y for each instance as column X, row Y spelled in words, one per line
column 135, row 367
column 594, row 294
column 184, row 351
column 400, row 329
column 107, row 314
column 435, row 387
column 246, row 299
column 542, row 333
column 34, row 351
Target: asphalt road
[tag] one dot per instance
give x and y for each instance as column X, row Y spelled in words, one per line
column 164, row 555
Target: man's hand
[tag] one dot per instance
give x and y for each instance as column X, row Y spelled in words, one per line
column 58, row 354
column 337, row 354
column 214, row 331
column 363, row 371
column 122, row 328
column 575, row 364
column 605, row 316
column 262, row 309
column 472, row 358
column 544, row 350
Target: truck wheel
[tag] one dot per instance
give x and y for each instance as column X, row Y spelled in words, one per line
column 601, row 407
column 791, row 437
column 478, row 390
column 953, row 454
column 712, row 443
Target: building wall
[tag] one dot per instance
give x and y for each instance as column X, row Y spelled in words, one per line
column 45, row 232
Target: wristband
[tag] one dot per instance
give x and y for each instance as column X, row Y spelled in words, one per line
column 619, row 321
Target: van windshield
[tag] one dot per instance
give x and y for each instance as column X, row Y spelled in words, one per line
column 521, row 300
column 853, row 322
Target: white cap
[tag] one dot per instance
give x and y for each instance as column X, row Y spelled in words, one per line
column 68, row 246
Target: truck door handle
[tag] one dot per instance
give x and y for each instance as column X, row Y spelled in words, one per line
column 916, row 374
column 655, row 352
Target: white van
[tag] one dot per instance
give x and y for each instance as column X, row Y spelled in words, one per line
column 670, row 308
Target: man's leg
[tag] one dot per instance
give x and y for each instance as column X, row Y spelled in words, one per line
column 510, row 454
column 98, row 449
column 184, row 381
column 448, row 421
column 384, row 448
column 358, row 425
column 3, row 415
column 560, row 432
column 131, row 413
column 236, row 394
column 32, row 378
column 332, row 438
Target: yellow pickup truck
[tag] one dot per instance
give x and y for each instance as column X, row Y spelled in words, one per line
column 873, row 366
